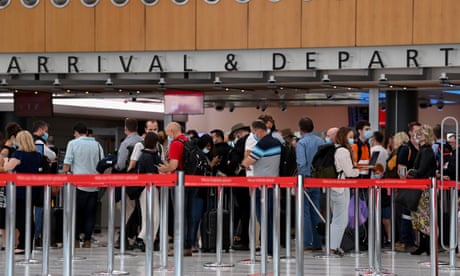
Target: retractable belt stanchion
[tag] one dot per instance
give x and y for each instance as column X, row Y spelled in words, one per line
column 252, row 231
column 73, row 190
column 263, row 230
column 327, row 254
column 299, row 225
column 179, row 224
column 67, row 230
column 10, row 227
column 371, row 233
column 149, row 245
column 276, row 229
column 28, row 246
column 378, row 241
column 46, row 229
column 288, row 257
column 231, row 225
column 123, row 238
column 433, row 229
column 110, row 236
column 220, row 216
column 164, row 232
column 356, row 222
column 393, row 225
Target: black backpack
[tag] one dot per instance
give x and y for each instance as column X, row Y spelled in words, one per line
column 194, row 161
column 288, row 161
column 323, row 164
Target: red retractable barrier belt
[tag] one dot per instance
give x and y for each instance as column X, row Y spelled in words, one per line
column 238, row 181
column 364, row 183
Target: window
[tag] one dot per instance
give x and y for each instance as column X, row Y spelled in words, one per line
column 30, row 3
column 90, row 3
column 60, row 3
column 4, row 3
column 120, row 3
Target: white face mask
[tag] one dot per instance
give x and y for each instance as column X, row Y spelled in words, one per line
column 328, row 140
column 205, row 150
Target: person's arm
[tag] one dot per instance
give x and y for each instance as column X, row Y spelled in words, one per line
column 137, row 152
column 122, row 156
column 345, row 163
column 301, row 158
column 247, row 162
column 168, row 167
column 50, row 154
column 11, row 164
column 66, row 168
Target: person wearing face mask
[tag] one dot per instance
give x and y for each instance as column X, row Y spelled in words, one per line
column 40, row 136
column 222, row 150
column 9, row 146
column 361, row 149
column 424, row 167
column 340, row 197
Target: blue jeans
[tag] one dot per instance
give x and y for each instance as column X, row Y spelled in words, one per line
column 86, row 214
column 190, row 212
column 38, row 221
column 269, row 200
column 312, row 239
column 406, row 233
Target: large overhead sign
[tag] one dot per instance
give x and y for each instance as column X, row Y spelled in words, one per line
column 301, row 59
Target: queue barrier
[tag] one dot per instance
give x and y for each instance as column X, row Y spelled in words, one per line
column 175, row 180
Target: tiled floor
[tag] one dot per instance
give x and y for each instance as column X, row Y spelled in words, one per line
column 96, row 260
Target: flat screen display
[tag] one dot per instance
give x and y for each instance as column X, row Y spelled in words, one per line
column 31, row 104
column 181, row 102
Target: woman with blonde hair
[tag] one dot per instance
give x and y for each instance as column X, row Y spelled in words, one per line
column 424, row 167
column 26, row 159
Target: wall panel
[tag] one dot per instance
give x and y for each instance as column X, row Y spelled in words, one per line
column 435, row 21
column 170, row 27
column 328, row 23
column 222, row 25
column 274, row 24
column 22, row 28
column 69, row 29
column 120, row 28
column 384, row 22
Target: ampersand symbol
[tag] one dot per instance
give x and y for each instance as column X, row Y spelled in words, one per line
column 231, row 64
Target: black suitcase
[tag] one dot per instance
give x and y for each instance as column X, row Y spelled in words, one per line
column 57, row 222
column 209, row 231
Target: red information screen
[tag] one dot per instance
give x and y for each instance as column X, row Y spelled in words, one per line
column 184, row 102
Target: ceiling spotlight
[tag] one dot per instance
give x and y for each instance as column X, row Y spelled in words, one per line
column 162, row 81
column 383, row 78
column 424, row 103
column 271, row 79
column 263, row 107
column 329, row 96
column 326, row 78
column 443, row 77
column 231, row 107
column 283, row 107
column 109, row 82
column 56, row 82
column 4, row 82
column 219, row 106
column 217, row 80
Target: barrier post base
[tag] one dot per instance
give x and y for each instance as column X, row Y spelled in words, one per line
column 163, row 268
column 217, row 265
column 261, row 274
column 249, row 262
column 375, row 273
column 326, row 256
column 449, row 268
column 357, row 254
column 74, row 258
column 28, row 262
column 287, row 259
column 125, row 255
column 428, row 263
column 115, row 272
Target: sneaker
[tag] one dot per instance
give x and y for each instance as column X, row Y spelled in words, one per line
column 86, row 244
column 139, row 244
column 338, row 252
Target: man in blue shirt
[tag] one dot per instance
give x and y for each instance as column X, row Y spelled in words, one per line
column 306, row 149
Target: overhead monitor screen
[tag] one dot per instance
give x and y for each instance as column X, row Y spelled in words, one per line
column 31, row 104
column 182, row 102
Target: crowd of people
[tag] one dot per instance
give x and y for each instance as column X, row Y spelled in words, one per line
column 247, row 150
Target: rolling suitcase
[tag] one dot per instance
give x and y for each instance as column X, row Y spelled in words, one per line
column 209, row 231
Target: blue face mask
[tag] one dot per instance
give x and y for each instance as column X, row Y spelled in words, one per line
column 371, row 141
column 45, row 136
column 255, row 137
column 328, row 140
column 351, row 141
column 367, row 134
column 15, row 145
column 170, row 139
column 205, row 150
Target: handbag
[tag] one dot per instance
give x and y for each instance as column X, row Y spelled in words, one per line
column 408, row 198
column 363, row 212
